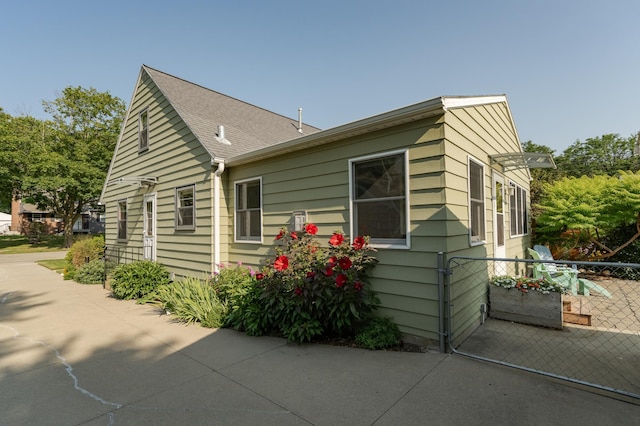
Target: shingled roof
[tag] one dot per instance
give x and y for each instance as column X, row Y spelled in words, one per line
column 247, row 127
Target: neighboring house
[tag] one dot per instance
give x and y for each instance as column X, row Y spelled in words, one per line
column 200, row 179
column 5, row 223
column 23, row 214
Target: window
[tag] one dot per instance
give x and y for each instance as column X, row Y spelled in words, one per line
column 379, row 198
column 143, row 130
column 185, row 207
column 122, row 220
column 37, row 217
column 518, row 210
column 249, row 210
column 476, row 202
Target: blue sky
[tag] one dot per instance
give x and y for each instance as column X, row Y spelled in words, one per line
column 570, row 68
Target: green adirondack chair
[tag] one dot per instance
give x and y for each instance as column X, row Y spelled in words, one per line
column 562, row 275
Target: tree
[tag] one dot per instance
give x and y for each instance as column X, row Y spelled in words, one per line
column 539, row 176
column 590, row 209
column 604, row 155
column 17, row 135
column 68, row 166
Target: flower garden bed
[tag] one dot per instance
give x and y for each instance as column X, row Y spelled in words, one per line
column 526, row 301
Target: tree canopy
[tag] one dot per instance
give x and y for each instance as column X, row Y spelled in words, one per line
column 66, row 162
column 589, row 209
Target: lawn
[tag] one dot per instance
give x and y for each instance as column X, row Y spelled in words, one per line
column 19, row 244
column 57, row 265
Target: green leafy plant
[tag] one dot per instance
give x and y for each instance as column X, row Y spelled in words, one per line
column 83, row 251
column 230, row 283
column 90, row 273
column 307, row 291
column 193, row 300
column 525, row 284
column 138, row 279
column 378, row 333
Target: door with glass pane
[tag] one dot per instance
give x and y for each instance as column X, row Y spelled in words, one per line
column 499, row 247
column 149, row 234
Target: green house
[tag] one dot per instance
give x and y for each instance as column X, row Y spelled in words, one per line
column 199, row 179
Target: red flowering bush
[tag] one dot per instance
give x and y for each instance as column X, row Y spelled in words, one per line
column 307, row 291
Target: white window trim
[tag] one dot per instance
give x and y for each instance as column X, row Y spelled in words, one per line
column 484, row 200
column 126, row 223
column 514, row 185
column 176, row 207
column 142, row 149
column 352, row 230
column 236, row 237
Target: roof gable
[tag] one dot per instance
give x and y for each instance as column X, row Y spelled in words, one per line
column 247, row 127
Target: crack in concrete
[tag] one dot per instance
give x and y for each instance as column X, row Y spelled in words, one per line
column 68, row 368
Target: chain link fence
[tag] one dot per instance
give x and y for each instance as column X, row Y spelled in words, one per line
column 597, row 342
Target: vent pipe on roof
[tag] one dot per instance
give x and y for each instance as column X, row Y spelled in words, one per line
column 220, row 138
column 300, row 120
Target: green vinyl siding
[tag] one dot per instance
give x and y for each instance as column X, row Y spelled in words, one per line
column 316, row 180
column 478, row 132
column 176, row 158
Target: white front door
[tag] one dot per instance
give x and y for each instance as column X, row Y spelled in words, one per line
column 149, row 234
column 499, row 247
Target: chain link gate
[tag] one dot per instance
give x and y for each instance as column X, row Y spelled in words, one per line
column 599, row 341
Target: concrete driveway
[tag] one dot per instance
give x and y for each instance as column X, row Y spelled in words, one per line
column 71, row 355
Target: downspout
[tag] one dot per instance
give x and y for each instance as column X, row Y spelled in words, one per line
column 442, row 332
column 215, row 257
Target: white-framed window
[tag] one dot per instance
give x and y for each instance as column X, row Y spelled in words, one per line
column 518, row 210
column 477, row 226
column 143, row 130
column 379, row 195
column 186, row 208
column 122, row 220
column 248, row 208
column 37, row 217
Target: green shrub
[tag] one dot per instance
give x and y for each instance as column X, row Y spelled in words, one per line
column 90, row 273
column 232, row 283
column 138, row 279
column 69, row 272
column 192, row 300
column 378, row 333
column 83, row 249
column 307, row 291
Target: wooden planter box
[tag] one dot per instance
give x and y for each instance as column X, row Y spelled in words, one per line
column 532, row 307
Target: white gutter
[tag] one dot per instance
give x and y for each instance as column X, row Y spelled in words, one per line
column 215, row 257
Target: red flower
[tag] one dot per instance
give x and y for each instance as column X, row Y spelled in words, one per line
column 345, row 263
column 357, row 285
column 336, row 239
column 298, row 291
column 259, row 276
column 328, row 271
column 311, row 274
column 341, row 280
column 310, row 228
column 332, row 261
column 358, row 243
column 294, row 236
column 281, row 263
column 280, row 235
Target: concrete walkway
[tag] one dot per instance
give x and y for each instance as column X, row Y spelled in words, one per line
column 70, row 355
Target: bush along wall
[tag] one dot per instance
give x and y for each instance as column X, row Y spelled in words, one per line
column 307, row 291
